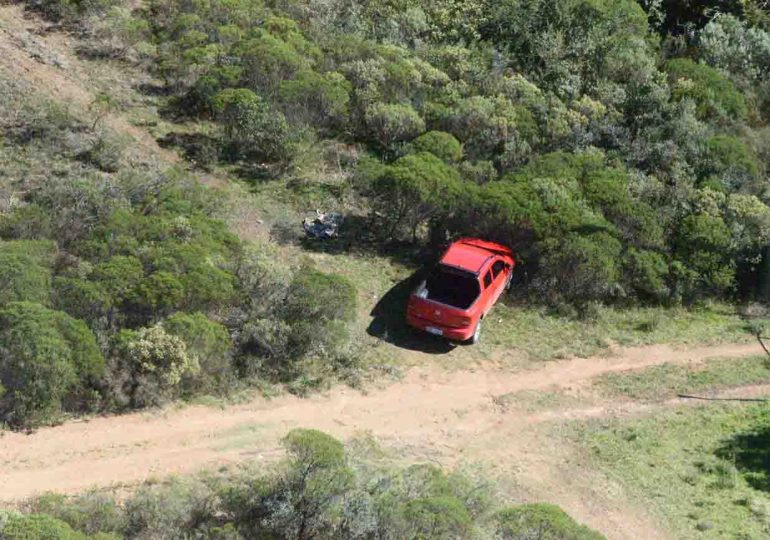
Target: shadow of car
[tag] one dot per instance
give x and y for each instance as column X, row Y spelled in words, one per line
column 389, row 320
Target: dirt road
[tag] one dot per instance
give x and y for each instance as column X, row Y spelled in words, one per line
column 431, row 413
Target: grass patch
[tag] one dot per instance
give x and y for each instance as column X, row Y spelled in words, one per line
column 667, row 380
column 702, row 470
column 239, row 437
column 543, row 336
column 533, row 401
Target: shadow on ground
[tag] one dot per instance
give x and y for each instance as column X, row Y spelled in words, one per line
column 750, row 452
column 389, row 320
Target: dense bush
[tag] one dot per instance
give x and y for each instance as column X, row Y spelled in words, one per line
column 440, row 144
column 150, row 366
column 252, row 130
column 714, row 95
column 311, row 323
column 25, row 271
column 49, row 362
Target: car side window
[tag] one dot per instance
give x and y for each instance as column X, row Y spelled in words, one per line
column 488, row 279
column 498, row 267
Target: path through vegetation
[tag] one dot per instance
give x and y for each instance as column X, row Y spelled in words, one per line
column 432, row 414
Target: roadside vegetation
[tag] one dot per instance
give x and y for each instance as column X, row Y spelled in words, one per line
column 321, row 490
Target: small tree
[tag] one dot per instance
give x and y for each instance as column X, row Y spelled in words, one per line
column 414, row 190
column 253, row 130
column 312, row 487
column 440, row 518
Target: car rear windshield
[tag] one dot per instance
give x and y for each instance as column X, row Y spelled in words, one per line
column 452, row 287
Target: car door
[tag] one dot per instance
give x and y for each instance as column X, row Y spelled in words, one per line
column 490, row 289
column 499, row 278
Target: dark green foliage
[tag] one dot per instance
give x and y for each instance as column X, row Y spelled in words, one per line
column 714, row 95
column 570, row 45
column 316, row 99
column 413, row 190
column 316, row 296
column 580, row 268
column 704, row 247
column 25, row 271
column 49, row 362
column 542, row 521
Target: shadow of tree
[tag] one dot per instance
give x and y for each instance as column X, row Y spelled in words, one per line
column 750, row 452
column 389, row 320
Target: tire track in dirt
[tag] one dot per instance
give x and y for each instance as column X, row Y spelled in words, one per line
column 447, row 416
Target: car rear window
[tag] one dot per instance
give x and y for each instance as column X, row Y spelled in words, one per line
column 452, row 287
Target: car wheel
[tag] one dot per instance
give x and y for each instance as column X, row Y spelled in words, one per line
column 476, row 334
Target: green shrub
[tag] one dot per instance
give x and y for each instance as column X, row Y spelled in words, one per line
column 38, row 527
column 48, row 361
column 714, row 95
column 647, row 274
column 82, row 299
column 441, row 144
column 542, row 521
column 90, row 513
column 579, row 269
column 438, row 517
column 413, row 190
column 315, row 98
column 388, row 124
column 704, row 246
column 25, row 271
column 731, row 161
column 207, row 341
column 253, row 130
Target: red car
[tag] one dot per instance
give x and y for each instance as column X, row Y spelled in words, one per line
column 461, row 289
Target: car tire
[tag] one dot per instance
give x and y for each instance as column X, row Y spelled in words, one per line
column 476, row 334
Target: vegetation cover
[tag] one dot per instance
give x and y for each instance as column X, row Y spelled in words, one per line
column 619, row 147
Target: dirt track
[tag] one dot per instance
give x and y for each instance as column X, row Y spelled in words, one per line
column 434, row 414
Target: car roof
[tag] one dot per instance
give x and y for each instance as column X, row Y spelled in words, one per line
column 466, row 256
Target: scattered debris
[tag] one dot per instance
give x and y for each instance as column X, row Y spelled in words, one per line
column 323, row 226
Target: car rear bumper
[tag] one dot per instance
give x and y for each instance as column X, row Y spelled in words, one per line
column 454, row 334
